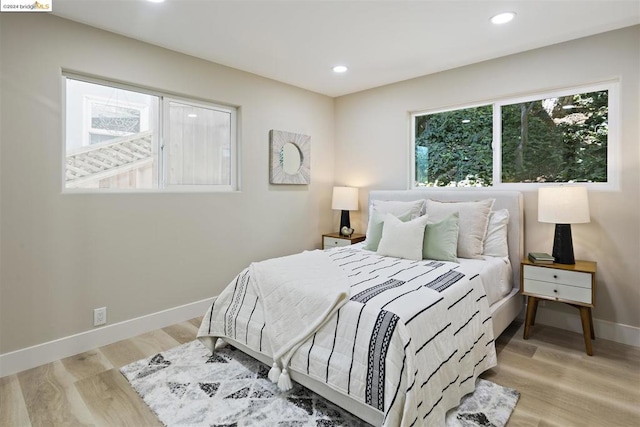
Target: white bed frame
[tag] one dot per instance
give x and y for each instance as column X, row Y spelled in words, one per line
column 503, row 312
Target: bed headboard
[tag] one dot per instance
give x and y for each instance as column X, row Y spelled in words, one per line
column 510, row 200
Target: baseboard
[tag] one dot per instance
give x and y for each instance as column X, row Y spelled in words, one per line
column 604, row 329
column 30, row 357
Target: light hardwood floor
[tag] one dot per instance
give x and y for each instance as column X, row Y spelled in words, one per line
column 559, row 384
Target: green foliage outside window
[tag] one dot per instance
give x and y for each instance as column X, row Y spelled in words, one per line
column 549, row 140
column 556, row 139
column 458, row 144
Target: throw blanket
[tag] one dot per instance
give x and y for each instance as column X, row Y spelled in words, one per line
column 298, row 293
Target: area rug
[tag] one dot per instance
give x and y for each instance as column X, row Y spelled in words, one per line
column 188, row 386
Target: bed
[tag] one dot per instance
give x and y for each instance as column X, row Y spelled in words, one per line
column 399, row 340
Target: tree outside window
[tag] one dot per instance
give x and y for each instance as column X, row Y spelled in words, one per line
column 548, row 139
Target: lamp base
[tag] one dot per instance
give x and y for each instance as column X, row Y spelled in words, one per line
column 563, row 245
column 344, row 220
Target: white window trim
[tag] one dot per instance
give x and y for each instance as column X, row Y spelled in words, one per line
column 613, row 138
column 234, row 187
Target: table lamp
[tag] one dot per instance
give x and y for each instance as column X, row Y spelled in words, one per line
column 563, row 206
column 345, row 199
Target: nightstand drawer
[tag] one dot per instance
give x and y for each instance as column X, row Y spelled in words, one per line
column 557, row 291
column 554, row 275
column 332, row 242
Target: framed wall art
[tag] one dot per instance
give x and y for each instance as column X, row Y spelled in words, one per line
column 290, row 158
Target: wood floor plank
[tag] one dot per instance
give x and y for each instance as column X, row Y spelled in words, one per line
column 587, row 372
column 122, row 352
column 113, row 402
column 519, row 347
column 561, row 385
column 623, row 356
column 182, row 332
column 86, row 364
column 13, row 410
column 154, row 342
column 551, row 391
column 51, row 398
column 196, row 321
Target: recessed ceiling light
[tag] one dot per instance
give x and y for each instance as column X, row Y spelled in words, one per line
column 503, row 18
column 156, row 1
column 340, row 69
column 192, row 114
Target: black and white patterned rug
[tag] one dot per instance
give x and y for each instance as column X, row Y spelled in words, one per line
column 188, row 386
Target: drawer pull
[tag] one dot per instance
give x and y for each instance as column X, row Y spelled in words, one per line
column 555, row 290
column 555, row 276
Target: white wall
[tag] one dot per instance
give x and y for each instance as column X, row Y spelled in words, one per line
column 373, row 138
column 63, row 255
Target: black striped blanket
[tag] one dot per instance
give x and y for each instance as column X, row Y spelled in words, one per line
column 410, row 341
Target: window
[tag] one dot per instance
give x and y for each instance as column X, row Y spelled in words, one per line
column 199, row 147
column 454, row 147
column 119, row 137
column 557, row 137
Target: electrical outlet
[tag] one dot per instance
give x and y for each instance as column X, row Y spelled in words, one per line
column 99, row 316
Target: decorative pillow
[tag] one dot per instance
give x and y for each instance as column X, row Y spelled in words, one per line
column 416, row 207
column 402, row 239
column 495, row 242
column 473, row 220
column 441, row 239
column 376, row 224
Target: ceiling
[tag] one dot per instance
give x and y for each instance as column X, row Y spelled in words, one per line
column 382, row 41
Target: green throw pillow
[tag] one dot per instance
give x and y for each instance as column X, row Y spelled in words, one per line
column 441, row 240
column 374, row 232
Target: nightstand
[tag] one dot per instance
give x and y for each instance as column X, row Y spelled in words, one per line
column 332, row 240
column 573, row 284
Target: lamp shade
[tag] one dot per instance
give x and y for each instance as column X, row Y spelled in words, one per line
column 345, row 198
column 563, row 205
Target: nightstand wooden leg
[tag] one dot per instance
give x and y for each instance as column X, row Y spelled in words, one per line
column 532, row 303
column 587, row 328
column 593, row 334
column 535, row 311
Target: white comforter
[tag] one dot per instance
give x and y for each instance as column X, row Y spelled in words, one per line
column 410, row 342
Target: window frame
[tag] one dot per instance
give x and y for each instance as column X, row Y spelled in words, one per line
column 613, row 142
column 160, row 184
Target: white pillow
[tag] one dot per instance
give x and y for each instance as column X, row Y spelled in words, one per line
column 495, row 243
column 376, row 225
column 398, row 209
column 472, row 221
column 402, row 239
